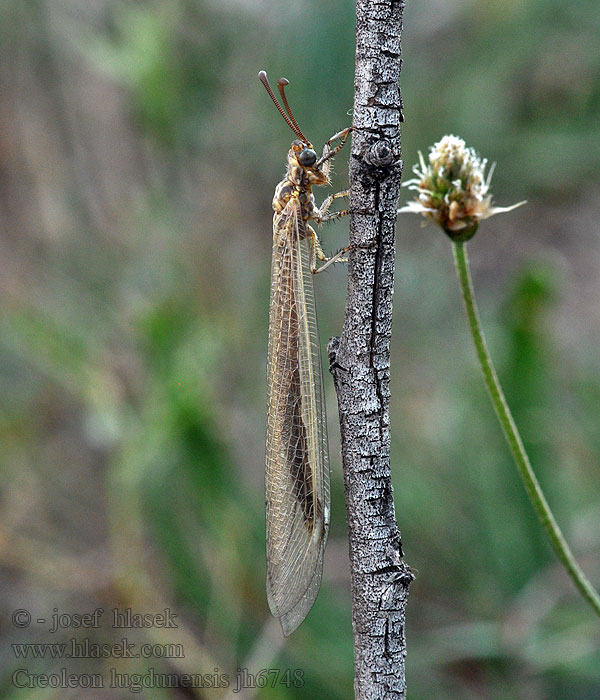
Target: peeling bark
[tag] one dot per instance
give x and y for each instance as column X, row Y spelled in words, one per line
column 360, row 359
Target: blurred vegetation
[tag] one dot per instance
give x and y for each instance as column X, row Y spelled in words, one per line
column 139, row 154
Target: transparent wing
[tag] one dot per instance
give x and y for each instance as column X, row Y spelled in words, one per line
column 297, row 467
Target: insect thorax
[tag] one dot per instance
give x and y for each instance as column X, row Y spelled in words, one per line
column 288, row 189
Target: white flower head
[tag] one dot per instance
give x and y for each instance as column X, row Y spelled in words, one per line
column 452, row 189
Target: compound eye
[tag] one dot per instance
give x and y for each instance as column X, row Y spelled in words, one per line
column 307, row 157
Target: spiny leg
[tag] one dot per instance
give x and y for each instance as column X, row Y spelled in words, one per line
column 329, row 153
column 337, row 258
column 320, row 215
column 332, row 216
column 316, row 252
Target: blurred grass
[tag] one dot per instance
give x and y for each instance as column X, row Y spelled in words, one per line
column 139, row 155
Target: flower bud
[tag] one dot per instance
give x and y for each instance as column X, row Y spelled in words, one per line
column 452, row 189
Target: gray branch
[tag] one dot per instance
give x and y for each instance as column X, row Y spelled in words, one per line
column 360, row 359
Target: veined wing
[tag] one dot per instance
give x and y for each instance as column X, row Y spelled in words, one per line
column 297, row 468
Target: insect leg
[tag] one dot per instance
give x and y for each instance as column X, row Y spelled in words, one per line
column 324, row 208
column 321, row 215
column 337, row 258
column 328, row 152
column 332, row 216
column 316, row 252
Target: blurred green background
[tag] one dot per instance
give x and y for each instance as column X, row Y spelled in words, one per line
column 138, row 156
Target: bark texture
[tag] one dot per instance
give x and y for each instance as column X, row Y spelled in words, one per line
column 360, row 359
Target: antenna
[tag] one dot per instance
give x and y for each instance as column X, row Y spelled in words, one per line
column 291, row 122
column 281, row 83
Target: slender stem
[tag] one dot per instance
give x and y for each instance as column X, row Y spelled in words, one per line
column 517, row 449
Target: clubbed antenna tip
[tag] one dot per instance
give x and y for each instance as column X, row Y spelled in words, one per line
column 281, row 83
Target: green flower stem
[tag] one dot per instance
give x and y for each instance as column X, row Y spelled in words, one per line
column 530, row 481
